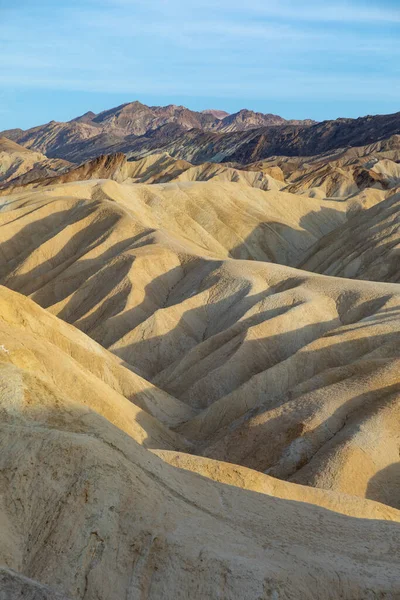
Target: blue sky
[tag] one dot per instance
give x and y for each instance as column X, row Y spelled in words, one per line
column 298, row 58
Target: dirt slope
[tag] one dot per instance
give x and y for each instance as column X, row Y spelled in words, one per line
column 280, row 370
column 19, row 165
column 367, row 247
column 88, row 512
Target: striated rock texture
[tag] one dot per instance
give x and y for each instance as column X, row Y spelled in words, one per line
column 371, row 170
column 88, row 512
column 280, row 370
column 156, row 168
column 91, row 134
column 198, row 137
column 247, row 119
column 367, row 247
column 218, row 114
column 245, row 147
column 195, row 401
column 18, row 165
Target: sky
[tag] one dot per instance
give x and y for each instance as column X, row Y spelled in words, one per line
column 297, row 58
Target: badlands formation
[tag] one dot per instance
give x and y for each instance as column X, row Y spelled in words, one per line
column 17, row 163
column 199, row 372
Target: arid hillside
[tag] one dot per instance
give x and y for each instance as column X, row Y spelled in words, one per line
column 366, row 248
column 199, row 360
column 91, row 134
column 365, row 173
column 19, row 166
column 79, row 488
column 156, row 275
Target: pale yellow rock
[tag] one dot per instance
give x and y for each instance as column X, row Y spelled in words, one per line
column 249, row 479
column 367, row 247
column 262, row 365
column 17, row 161
column 87, row 512
column 265, row 372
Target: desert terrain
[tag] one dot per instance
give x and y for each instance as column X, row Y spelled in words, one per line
column 200, row 357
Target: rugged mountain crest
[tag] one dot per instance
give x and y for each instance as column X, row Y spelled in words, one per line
column 120, row 124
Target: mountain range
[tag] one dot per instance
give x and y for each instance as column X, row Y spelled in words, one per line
column 134, row 120
column 136, row 128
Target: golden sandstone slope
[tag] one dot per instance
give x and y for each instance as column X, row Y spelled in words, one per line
column 367, row 247
column 155, row 168
column 18, row 164
column 159, row 416
column 89, row 512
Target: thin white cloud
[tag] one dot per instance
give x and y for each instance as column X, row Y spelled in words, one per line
column 205, row 48
column 313, row 11
column 325, row 11
column 276, row 86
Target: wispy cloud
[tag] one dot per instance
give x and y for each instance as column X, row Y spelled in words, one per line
column 322, row 86
column 270, row 49
column 337, row 12
column 292, row 10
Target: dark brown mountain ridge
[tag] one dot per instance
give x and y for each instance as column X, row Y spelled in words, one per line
column 244, row 137
column 117, row 125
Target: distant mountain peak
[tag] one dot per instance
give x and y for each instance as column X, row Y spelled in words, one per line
column 137, row 129
column 87, row 117
column 218, row 114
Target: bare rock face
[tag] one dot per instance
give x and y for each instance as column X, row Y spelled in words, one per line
column 256, row 353
column 90, row 135
column 247, row 119
column 156, row 168
column 218, row 114
column 244, row 137
column 103, row 167
column 363, row 173
column 366, row 248
column 18, row 165
column 245, row 147
column 14, row 585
